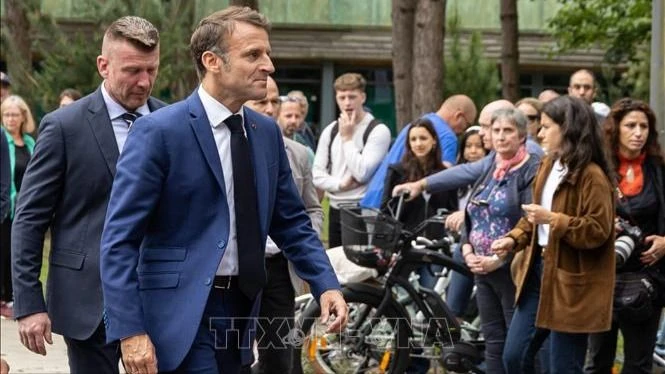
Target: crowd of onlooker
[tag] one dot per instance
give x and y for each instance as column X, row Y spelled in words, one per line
column 555, row 198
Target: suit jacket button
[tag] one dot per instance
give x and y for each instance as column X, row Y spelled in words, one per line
column 208, row 281
column 221, row 244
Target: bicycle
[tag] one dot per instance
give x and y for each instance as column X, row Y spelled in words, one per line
column 381, row 336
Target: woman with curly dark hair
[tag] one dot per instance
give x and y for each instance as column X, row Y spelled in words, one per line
column 632, row 137
column 564, row 263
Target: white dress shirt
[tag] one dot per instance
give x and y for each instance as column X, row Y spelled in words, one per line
column 120, row 128
column 217, row 113
column 551, row 184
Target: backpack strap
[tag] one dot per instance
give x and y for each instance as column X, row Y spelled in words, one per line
column 335, row 130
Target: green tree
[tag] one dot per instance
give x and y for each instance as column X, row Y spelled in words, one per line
column 623, row 27
column 72, row 53
column 467, row 71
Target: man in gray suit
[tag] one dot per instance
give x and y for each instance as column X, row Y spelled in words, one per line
column 66, row 187
column 277, row 301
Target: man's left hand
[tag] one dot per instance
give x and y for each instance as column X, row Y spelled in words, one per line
column 332, row 303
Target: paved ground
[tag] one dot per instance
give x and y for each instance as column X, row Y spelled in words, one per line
column 23, row 361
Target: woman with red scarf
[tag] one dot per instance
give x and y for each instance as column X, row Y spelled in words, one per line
column 492, row 210
column 632, row 135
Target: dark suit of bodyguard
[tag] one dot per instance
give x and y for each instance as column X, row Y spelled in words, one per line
column 67, row 187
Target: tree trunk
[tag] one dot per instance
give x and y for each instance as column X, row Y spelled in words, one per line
column 428, row 56
column 19, row 56
column 254, row 4
column 403, row 12
column 510, row 74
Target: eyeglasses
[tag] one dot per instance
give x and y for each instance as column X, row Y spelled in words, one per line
column 533, row 117
column 485, row 202
column 468, row 123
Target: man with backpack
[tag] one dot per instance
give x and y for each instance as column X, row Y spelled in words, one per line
column 349, row 151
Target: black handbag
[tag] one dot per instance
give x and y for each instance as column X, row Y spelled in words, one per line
column 634, row 296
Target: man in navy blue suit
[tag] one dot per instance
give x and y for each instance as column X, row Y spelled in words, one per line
column 200, row 185
column 66, row 189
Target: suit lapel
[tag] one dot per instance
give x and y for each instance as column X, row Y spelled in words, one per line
column 201, row 126
column 98, row 119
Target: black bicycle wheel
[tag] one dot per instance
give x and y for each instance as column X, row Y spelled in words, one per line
column 370, row 343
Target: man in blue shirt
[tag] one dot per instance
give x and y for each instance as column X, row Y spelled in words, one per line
column 453, row 117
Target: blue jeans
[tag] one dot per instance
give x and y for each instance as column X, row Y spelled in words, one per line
column 495, row 293
column 459, row 288
column 567, row 352
column 523, row 341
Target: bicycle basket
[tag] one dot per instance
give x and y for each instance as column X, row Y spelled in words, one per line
column 369, row 237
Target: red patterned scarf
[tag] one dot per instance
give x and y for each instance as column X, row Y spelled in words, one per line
column 502, row 165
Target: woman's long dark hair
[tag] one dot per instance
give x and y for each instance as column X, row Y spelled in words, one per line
column 415, row 170
column 462, row 144
column 619, row 110
column 582, row 141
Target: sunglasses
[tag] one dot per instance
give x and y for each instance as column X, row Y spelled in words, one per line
column 533, row 117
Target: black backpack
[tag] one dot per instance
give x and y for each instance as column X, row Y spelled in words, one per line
column 333, row 133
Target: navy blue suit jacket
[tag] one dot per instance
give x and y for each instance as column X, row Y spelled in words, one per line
column 66, row 188
column 167, row 225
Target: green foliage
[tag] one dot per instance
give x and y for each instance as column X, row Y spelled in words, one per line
column 623, row 27
column 467, row 71
column 71, row 61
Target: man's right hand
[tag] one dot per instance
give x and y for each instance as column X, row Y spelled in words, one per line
column 414, row 189
column 138, row 355
column 34, row 330
column 347, row 123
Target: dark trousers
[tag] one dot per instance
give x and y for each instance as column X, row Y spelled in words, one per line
column 216, row 350
column 5, row 261
column 93, row 355
column 495, row 293
column 334, row 228
column 639, row 341
column 276, row 319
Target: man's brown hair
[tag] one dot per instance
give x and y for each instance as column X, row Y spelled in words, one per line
column 350, row 81
column 138, row 31
column 213, row 31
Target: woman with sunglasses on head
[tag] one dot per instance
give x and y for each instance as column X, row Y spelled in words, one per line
column 564, row 267
column 632, row 137
column 531, row 108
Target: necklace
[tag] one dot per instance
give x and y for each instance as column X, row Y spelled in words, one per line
column 630, row 174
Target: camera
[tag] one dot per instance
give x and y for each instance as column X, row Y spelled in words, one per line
column 629, row 238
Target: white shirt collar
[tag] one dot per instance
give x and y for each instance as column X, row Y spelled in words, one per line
column 116, row 110
column 216, row 111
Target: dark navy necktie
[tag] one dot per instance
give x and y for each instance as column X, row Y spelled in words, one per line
column 250, row 261
column 130, row 117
